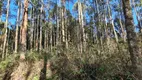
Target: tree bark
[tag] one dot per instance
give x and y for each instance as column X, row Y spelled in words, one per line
column 81, row 25
column 17, row 27
column 41, row 17
column 32, row 30
column 63, row 25
column 6, row 26
column 112, row 22
column 132, row 41
column 24, row 30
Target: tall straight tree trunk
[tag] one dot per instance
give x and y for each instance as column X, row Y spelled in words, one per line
column 6, row 51
column 112, row 21
column 50, row 37
column 57, row 30
column 66, row 31
column 6, row 26
column 45, row 39
column 41, row 17
column 32, row 29
column 35, row 30
column 132, row 41
column 98, row 12
column 107, row 32
column 123, row 33
column 81, row 25
column 122, row 29
column 63, row 24
column 17, row 27
column 79, row 31
column 24, row 30
column 37, row 33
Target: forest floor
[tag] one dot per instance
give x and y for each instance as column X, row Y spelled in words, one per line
column 28, row 69
column 97, row 63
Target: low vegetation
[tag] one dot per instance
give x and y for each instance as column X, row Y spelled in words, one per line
column 94, row 64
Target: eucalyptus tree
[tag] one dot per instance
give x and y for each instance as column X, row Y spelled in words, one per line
column 50, row 28
column 46, row 27
column 98, row 26
column 81, row 24
column 119, row 19
column 23, row 30
column 112, row 21
column 132, row 40
column 120, row 12
column 63, row 2
column 57, row 23
column 41, row 24
column 6, row 26
column 79, row 7
column 94, row 11
column 17, row 25
column 34, row 27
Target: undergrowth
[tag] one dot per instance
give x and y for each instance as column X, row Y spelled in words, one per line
column 96, row 63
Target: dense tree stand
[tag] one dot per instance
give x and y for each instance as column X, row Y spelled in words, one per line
column 70, row 40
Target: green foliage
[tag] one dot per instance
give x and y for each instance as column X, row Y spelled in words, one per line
column 1, row 25
column 34, row 56
column 35, row 78
column 97, row 62
column 3, row 64
column 9, row 61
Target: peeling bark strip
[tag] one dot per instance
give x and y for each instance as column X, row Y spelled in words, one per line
column 132, row 41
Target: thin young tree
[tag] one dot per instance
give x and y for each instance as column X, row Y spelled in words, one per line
column 41, row 25
column 112, row 21
column 17, row 26
column 6, row 27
